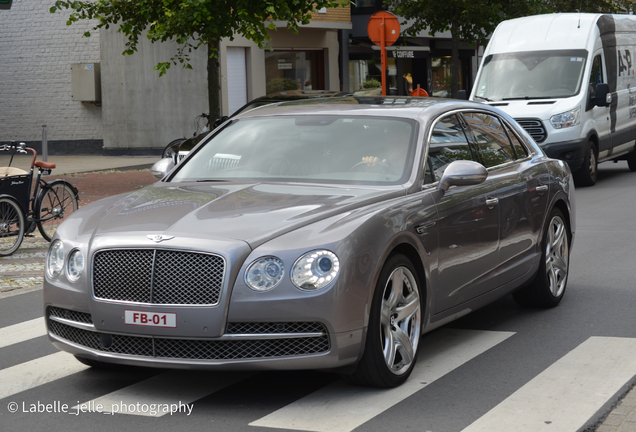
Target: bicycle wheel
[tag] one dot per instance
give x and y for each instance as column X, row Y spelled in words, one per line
column 56, row 202
column 11, row 226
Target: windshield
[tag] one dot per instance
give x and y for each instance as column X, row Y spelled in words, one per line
column 531, row 75
column 329, row 149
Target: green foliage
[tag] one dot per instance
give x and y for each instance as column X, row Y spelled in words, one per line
column 372, row 83
column 192, row 23
column 281, row 84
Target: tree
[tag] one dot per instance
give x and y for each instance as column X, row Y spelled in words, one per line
column 193, row 24
column 475, row 20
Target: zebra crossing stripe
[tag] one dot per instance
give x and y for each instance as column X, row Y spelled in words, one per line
column 43, row 370
column 568, row 393
column 21, row 332
column 341, row 407
column 152, row 397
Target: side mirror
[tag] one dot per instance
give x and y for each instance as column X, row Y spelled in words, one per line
column 161, row 168
column 602, row 96
column 218, row 122
column 462, row 95
column 462, row 173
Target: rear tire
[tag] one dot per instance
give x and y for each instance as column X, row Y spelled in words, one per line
column 394, row 331
column 56, row 202
column 11, row 226
column 548, row 287
column 587, row 174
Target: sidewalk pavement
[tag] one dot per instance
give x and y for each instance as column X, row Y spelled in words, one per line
column 98, row 177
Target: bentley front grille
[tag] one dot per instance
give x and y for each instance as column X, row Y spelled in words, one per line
column 158, row 276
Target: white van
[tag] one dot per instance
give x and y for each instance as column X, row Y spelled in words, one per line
column 569, row 80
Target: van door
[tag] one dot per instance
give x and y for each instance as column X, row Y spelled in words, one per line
column 600, row 114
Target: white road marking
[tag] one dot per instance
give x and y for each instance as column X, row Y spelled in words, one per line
column 43, row 370
column 151, row 397
column 21, row 332
column 568, row 393
column 341, row 407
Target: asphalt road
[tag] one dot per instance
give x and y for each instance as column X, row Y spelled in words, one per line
column 502, row 368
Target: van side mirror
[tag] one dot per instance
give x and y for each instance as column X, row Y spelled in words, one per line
column 602, row 96
column 462, row 173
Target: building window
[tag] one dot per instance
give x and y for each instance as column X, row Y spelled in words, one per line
column 442, row 77
column 294, row 70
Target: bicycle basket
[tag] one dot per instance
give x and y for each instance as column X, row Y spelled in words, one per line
column 17, row 187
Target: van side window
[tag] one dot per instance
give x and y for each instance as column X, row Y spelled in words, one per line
column 596, row 75
column 448, row 143
column 493, row 146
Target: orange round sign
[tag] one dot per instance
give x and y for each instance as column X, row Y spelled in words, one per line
column 386, row 22
column 419, row 92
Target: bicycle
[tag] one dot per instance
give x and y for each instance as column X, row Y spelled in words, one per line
column 173, row 147
column 20, row 211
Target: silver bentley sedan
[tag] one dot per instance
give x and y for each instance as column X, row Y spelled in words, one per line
column 309, row 235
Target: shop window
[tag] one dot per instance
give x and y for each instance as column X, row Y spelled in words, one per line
column 442, row 76
column 294, row 70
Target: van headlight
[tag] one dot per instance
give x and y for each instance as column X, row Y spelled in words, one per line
column 566, row 119
column 55, row 259
column 315, row 270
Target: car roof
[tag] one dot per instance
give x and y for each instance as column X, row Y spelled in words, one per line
column 391, row 106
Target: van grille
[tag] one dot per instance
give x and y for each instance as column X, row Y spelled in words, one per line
column 535, row 128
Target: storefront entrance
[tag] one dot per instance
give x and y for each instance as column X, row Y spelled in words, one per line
column 294, row 70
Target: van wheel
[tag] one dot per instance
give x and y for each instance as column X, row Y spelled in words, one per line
column 586, row 175
column 631, row 161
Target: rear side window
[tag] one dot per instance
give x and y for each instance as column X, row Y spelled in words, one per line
column 448, row 143
column 491, row 140
column 520, row 150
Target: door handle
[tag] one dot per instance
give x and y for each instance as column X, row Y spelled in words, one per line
column 541, row 189
column 491, row 202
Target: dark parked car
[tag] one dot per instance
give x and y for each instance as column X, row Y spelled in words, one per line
column 315, row 236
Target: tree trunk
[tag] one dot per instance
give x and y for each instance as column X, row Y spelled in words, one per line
column 214, row 81
column 454, row 59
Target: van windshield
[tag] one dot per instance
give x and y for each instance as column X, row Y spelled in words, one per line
column 531, row 75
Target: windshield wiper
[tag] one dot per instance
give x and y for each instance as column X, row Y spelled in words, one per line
column 211, row 180
column 528, row 98
column 484, row 98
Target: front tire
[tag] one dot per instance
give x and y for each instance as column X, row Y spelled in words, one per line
column 395, row 323
column 587, row 174
column 548, row 288
column 631, row 161
column 56, row 202
column 11, row 226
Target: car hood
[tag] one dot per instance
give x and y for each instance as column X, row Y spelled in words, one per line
column 253, row 213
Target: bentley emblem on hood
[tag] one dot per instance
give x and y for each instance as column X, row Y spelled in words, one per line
column 158, row 237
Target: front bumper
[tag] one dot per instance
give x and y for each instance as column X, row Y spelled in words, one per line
column 280, row 345
column 571, row 152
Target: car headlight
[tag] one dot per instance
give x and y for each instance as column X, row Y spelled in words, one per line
column 264, row 273
column 566, row 119
column 75, row 266
column 315, row 270
column 55, row 259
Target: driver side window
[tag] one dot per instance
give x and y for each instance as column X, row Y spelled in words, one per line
column 448, row 143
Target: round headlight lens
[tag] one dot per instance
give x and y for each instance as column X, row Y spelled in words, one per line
column 264, row 273
column 315, row 270
column 75, row 266
column 55, row 259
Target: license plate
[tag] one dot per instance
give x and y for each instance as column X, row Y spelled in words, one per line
column 152, row 319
